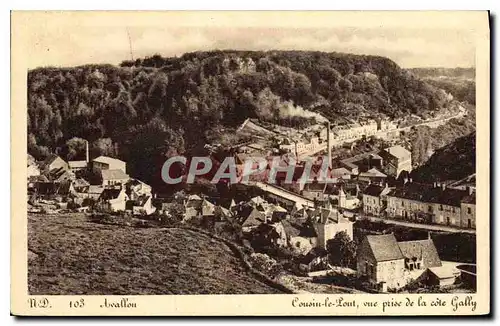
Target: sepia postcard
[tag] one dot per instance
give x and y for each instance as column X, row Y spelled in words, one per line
column 250, row 163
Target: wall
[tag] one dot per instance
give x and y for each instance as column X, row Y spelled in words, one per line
column 465, row 215
column 397, row 207
column 114, row 165
column 371, row 205
column 114, row 182
column 100, row 166
column 300, row 244
column 445, row 212
column 391, row 272
column 326, row 232
column 118, row 204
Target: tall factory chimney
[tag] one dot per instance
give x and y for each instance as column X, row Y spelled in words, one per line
column 87, row 151
column 329, row 144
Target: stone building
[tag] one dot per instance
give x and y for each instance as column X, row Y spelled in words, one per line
column 396, row 159
column 381, row 262
column 375, row 199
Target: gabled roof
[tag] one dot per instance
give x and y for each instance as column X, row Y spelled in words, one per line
column 207, row 208
column 443, row 272
column 116, row 174
column 222, row 210
column 50, row 159
column 108, row 160
column 398, row 151
column 257, row 200
column 255, row 218
column 373, row 190
column 340, row 172
column 291, row 230
column 316, row 252
column 194, row 197
column 384, row 247
column 421, row 249
column 30, row 160
column 61, row 174
column 277, row 208
column 374, row 173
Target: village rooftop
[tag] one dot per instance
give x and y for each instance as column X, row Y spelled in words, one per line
column 257, row 168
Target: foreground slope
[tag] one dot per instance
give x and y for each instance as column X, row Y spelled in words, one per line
column 69, row 255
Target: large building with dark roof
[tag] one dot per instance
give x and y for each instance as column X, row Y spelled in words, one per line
column 386, row 263
column 433, row 204
column 381, row 261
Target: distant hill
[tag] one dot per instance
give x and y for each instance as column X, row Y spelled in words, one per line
column 460, row 82
column 467, row 73
column 454, row 161
column 145, row 110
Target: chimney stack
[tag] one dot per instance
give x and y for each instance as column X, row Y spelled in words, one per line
column 329, row 145
column 443, row 186
column 87, row 151
column 470, row 190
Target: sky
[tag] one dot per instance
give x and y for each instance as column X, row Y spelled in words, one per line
column 419, row 39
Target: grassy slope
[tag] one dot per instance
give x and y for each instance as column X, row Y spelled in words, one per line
column 79, row 257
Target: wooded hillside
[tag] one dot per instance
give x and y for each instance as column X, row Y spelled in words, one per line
column 145, row 110
column 451, row 162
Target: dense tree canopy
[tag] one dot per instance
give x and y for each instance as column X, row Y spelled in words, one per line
column 145, row 110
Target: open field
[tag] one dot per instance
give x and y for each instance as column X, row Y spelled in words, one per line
column 70, row 255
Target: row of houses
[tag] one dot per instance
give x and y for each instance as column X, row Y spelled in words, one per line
column 420, row 202
column 313, row 141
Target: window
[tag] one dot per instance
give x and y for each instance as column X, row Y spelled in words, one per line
column 440, row 207
column 469, row 211
column 430, row 209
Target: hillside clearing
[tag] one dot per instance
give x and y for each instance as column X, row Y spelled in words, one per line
column 69, row 255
